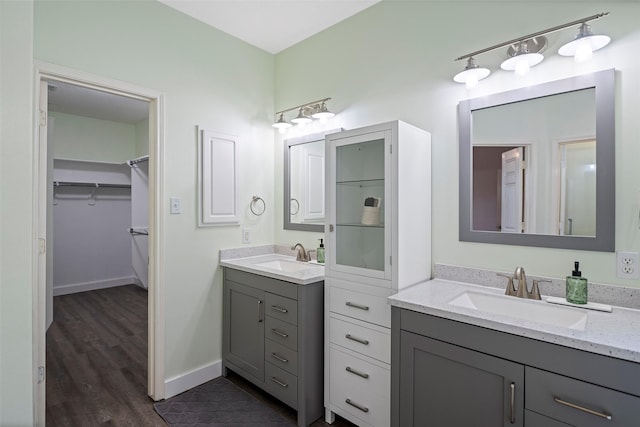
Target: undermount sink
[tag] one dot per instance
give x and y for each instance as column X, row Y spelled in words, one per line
column 536, row 311
column 283, row 265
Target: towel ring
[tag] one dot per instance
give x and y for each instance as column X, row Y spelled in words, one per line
column 255, row 200
column 297, row 207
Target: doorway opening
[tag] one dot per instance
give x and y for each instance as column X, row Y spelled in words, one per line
column 97, row 169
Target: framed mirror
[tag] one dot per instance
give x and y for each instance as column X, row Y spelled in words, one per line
column 304, row 182
column 537, row 165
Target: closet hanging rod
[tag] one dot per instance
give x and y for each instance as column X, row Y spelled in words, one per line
column 138, row 160
column 88, row 184
column 140, row 232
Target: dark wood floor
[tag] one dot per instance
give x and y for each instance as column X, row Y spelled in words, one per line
column 97, row 363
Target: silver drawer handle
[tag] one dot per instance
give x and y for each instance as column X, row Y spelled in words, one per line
column 582, row 408
column 357, row 405
column 280, row 358
column 280, row 333
column 259, row 311
column 280, row 309
column 358, row 373
column 512, row 403
column 279, row 382
column 356, row 339
column 354, row 305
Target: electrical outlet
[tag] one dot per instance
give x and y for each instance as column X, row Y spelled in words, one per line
column 628, row 265
column 246, row 235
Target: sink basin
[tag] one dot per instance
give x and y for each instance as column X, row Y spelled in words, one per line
column 536, row 311
column 283, row 265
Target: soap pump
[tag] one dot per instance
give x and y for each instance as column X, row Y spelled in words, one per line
column 576, row 286
column 320, row 252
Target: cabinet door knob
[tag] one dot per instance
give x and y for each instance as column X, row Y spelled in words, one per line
column 582, row 408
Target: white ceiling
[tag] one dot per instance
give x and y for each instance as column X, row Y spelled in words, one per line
column 271, row 25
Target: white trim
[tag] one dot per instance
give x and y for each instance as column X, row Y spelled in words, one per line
column 72, row 288
column 48, row 71
column 181, row 383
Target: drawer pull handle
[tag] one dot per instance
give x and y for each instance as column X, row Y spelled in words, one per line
column 354, row 305
column 358, row 373
column 280, row 309
column 357, row 405
column 512, row 403
column 280, row 358
column 356, row 339
column 280, row 333
column 583, row 409
column 259, row 311
column 279, row 382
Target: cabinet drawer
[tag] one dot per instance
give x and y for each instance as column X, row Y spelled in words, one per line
column 281, row 308
column 281, row 384
column 281, row 332
column 533, row 419
column 553, row 395
column 360, row 339
column 371, row 395
column 369, row 308
column 281, row 356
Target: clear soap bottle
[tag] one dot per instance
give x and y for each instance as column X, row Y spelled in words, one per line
column 320, row 252
column 576, row 286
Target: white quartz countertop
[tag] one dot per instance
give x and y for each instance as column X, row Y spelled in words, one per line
column 308, row 272
column 615, row 334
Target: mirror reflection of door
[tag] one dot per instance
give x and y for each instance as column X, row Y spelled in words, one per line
column 306, row 180
column 498, row 202
column 512, row 191
column 577, row 188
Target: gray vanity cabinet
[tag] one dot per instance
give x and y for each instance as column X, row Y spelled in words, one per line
column 446, row 385
column 273, row 335
column 449, row 373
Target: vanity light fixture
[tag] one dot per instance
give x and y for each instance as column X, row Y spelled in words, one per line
column 525, row 52
column 585, row 43
column 306, row 113
column 471, row 74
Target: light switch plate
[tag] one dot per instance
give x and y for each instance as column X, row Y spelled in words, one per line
column 176, row 205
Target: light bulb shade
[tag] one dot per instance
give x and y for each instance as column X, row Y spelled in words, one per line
column 584, row 44
column 518, row 62
column 301, row 118
column 323, row 113
column 471, row 74
column 281, row 124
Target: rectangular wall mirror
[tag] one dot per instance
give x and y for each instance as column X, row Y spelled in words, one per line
column 304, row 182
column 537, row 165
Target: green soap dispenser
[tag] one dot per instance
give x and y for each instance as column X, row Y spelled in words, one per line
column 320, row 252
column 576, row 286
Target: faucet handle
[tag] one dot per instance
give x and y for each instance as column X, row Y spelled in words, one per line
column 511, row 290
column 309, row 252
column 535, row 290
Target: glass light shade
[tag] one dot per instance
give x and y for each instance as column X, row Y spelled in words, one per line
column 301, row 118
column 471, row 74
column 281, row 124
column 323, row 113
column 582, row 44
column 521, row 63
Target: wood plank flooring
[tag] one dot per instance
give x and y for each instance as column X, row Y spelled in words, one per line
column 97, row 363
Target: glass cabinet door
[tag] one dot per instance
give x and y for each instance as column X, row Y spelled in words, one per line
column 360, row 235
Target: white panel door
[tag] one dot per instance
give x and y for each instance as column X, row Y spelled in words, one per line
column 512, row 194
column 140, row 221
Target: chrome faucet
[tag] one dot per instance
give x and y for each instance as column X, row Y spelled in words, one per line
column 521, row 290
column 301, row 253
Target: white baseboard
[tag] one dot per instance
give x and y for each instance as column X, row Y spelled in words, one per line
column 92, row 286
column 176, row 385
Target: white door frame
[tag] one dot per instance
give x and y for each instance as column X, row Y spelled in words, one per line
column 155, row 375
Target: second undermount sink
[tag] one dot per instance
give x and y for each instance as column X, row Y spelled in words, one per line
column 536, row 311
column 283, row 265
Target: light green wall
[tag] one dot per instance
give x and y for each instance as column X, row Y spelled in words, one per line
column 396, row 61
column 142, row 138
column 16, row 219
column 209, row 79
column 86, row 138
